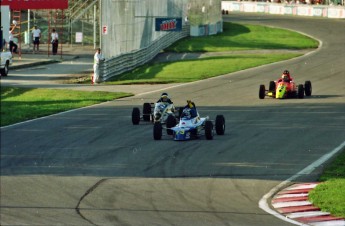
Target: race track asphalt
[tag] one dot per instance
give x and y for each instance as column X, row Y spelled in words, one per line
column 93, row 167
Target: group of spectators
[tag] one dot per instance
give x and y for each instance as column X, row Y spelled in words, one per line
column 36, row 36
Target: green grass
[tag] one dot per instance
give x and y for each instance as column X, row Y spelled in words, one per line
column 21, row 104
column 330, row 195
column 193, row 70
column 245, row 37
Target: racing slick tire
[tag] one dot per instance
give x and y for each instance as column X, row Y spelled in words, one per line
column 171, row 122
column 272, row 86
column 220, row 125
column 209, row 130
column 135, row 116
column 157, row 131
column 262, row 91
column 147, row 111
column 307, row 88
column 300, row 91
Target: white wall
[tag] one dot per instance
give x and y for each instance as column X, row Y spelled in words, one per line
column 285, row 9
column 5, row 22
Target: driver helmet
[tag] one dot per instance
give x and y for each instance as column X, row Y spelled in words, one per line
column 285, row 78
column 186, row 113
column 164, row 97
column 286, row 72
column 190, row 103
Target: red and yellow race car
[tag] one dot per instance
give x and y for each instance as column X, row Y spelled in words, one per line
column 285, row 87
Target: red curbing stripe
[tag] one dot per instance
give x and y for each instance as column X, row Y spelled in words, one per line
column 290, row 199
column 318, row 219
column 293, row 209
column 297, row 191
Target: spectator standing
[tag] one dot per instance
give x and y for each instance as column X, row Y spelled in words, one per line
column 97, row 58
column 54, row 41
column 13, row 46
column 36, row 35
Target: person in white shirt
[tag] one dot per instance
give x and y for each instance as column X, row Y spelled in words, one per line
column 54, row 41
column 13, row 46
column 36, row 35
column 97, row 58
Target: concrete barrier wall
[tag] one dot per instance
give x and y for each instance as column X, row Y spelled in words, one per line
column 128, row 61
column 128, row 36
column 284, row 9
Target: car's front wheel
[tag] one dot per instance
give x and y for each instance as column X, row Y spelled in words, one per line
column 220, row 125
column 262, row 91
column 272, row 86
column 157, row 131
column 209, row 130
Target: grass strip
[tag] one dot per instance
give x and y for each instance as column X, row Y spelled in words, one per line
column 193, row 70
column 330, row 195
column 245, row 37
column 21, row 104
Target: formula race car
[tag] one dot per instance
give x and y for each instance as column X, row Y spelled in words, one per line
column 281, row 89
column 164, row 113
column 191, row 128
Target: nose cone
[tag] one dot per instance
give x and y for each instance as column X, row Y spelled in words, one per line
column 182, row 135
column 281, row 91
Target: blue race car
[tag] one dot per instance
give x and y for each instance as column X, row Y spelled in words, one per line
column 192, row 127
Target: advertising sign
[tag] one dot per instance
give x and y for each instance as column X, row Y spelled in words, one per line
column 35, row 4
column 79, row 37
column 168, row 24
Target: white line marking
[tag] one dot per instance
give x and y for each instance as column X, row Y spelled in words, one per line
column 307, row 214
column 290, row 196
column 263, row 201
column 303, row 186
column 291, row 204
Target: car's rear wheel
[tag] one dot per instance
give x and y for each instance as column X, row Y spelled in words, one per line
column 171, row 122
column 209, row 130
column 147, row 111
column 157, row 131
column 300, row 91
column 262, row 91
column 135, row 116
column 307, row 88
column 220, row 125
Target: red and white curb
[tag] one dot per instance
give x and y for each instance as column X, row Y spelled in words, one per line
column 293, row 203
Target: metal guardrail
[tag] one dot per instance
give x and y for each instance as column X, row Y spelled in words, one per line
column 128, row 61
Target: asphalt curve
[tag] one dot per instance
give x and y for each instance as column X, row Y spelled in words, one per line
column 93, row 167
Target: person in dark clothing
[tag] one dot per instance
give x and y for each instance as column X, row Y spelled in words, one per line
column 13, row 46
